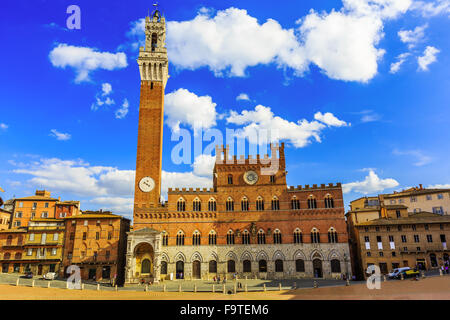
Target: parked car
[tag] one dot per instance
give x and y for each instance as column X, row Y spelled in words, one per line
column 410, row 273
column 50, row 276
column 396, row 272
column 28, row 275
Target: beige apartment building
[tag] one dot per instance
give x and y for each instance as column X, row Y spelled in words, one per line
column 391, row 235
column 419, row 199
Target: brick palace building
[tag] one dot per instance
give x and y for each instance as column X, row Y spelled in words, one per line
column 250, row 223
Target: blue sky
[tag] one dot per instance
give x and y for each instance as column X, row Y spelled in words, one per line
column 358, row 90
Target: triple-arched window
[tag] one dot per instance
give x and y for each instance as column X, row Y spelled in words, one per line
column 196, row 238
column 261, row 236
column 196, row 205
column 259, row 204
column 298, row 236
column 312, row 202
column 230, row 237
column 315, row 235
column 244, row 204
column 165, row 239
column 212, row 238
column 275, row 203
column 181, row 205
column 332, row 235
column 329, row 202
column 212, row 205
column 180, row 238
column 245, row 237
column 230, row 204
column 277, row 236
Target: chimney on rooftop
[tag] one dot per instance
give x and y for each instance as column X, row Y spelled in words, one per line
column 420, row 185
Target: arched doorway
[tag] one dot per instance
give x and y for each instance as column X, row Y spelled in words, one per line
column 180, row 270
column 196, row 271
column 39, row 269
column 317, row 267
column 144, row 255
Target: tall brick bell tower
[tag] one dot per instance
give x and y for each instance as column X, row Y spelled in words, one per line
column 153, row 68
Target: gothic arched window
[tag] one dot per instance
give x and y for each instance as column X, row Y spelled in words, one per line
column 244, row 204
column 315, row 236
column 329, row 202
column 312, row 202
column 298, row 236
column 165, row 239
column 332, row 235
column 259, row 204
column 212, row 238
column 261, row 237
column 163, row 267
column 181, row 205
column 196, row 205
column 278, row 265
column 230, row 237
column 299, row 265
column 212, row 206
column 275, row 203
column 180, row 238
column 277, row 237
column 295, row 203
column 196, row 238
column 245, row 237
column 230, row 204
column 335, row 266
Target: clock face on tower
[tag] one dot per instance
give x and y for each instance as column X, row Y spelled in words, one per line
column 146, row 184
column 250, row 177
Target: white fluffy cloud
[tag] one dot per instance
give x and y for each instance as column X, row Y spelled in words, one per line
column 203, row 165
column 371, row 184
column 343, row 44
column 85, row 60
column 329, row 119
column 184, row 107
column 431, row 8
column 123, row 111
column 59, row 135
column 3, row 126
column 412, row 37
column 243, row 96
column 429, row 56
column 401, row 58
column 261, row 124
column 117, row 205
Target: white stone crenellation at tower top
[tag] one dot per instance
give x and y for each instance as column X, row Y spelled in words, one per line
column 153, row 61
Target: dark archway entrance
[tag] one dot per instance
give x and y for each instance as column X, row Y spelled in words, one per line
column 196, row 269
column 317, row 267
column 433, row 260
column 180, row 270
column 145, row 266
column 40, row 269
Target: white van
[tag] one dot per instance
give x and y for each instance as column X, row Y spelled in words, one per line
column 396, row 272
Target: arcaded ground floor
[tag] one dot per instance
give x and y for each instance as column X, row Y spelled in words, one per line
column 430, row 288
column 282, row 261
